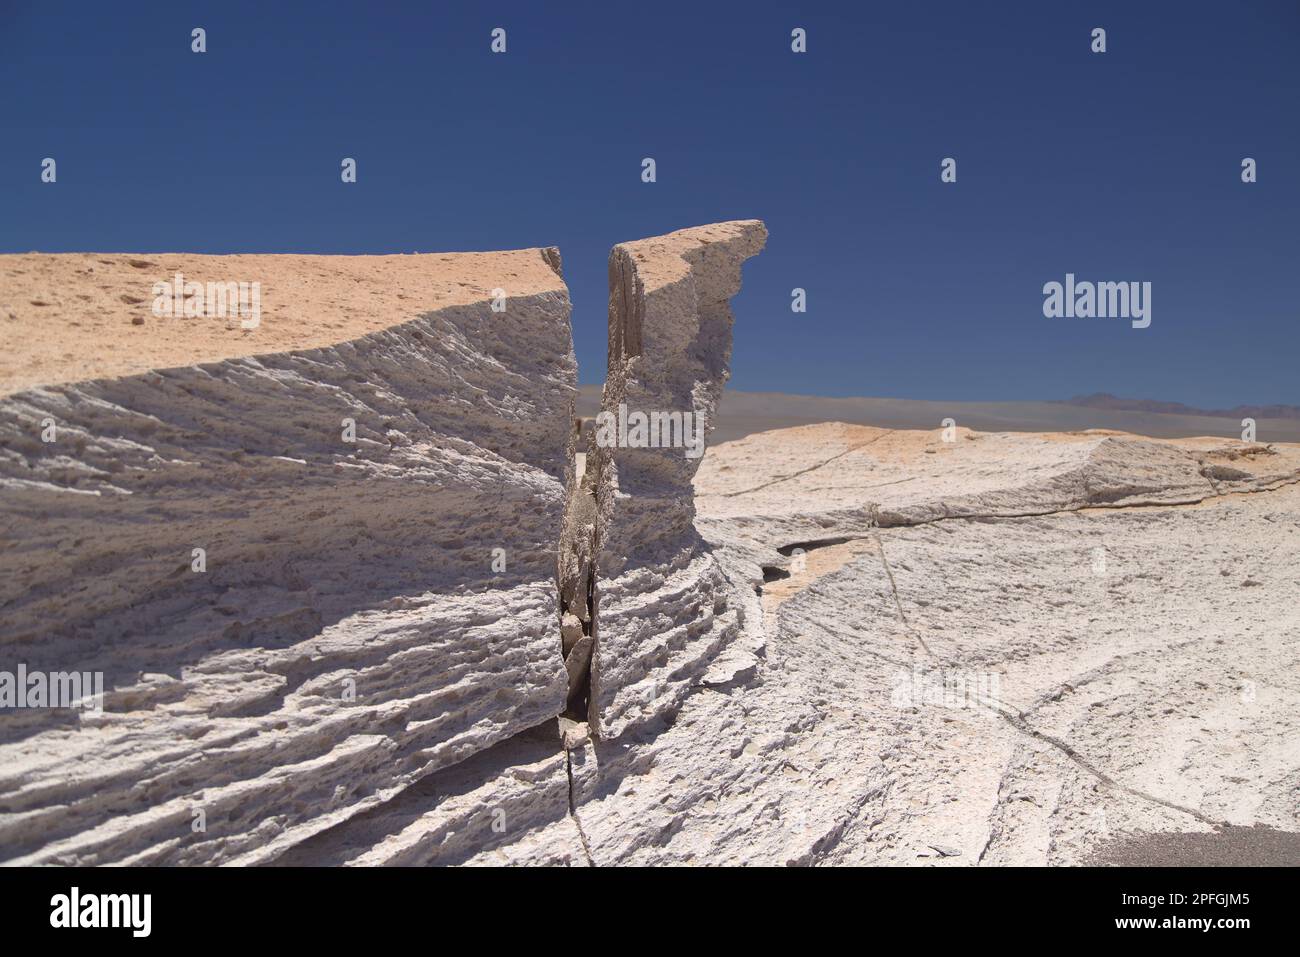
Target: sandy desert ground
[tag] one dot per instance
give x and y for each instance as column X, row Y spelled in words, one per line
column 442, row 642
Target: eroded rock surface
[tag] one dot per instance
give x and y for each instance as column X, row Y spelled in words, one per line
column 375, row 476
column 664, row 613
column 649, row 611
column 961, row 688
column 827, row 644
column 1025, row 646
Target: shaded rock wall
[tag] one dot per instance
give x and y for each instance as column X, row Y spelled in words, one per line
column 350, row 632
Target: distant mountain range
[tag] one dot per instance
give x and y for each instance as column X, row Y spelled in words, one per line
column 744, row 413
column 1104, row 400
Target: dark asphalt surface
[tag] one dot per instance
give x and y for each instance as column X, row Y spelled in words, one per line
column 1256, row 846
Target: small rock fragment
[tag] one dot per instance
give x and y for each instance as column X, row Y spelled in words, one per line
column 570, row 632
column 573, row 734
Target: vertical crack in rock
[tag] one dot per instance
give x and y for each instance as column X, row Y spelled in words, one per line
column 574, row 573
column 577, row 587
column 893, row 585
column 573, row 810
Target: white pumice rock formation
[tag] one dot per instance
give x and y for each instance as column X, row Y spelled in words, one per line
column 663, row 610
column 814, row 483
column 368, row 611
column 819, row 645
column 353, row 471
column 1051, row 641
column 1001, row 649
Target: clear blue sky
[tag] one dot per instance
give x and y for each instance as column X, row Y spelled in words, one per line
column 1122, row 166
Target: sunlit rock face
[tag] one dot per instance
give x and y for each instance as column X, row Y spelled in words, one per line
column 664, row 616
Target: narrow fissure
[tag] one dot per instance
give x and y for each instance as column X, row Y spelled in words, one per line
column 580, row 536
column 577, row 574
column 576, row 581
column 573, row 812
column 577, row 594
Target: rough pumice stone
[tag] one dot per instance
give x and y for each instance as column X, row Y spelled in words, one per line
column 818, row 645
column 662, row 598
column 355, row 628
column 1114, row 620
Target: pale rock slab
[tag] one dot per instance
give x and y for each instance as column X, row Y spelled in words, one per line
column 663, row 610
column 1166, row 668
column 350, row 634
column 817, row 483
column 1152, row 690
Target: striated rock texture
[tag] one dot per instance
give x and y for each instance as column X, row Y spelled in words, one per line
column 999, row 649
column 820, row 645
column 328, row 566
column 375, row 476
column 663, row 613
column 1004, row 649
column 1018, row 669
column 816, row 483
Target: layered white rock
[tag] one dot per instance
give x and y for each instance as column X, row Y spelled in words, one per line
column 1116, row 614
column 1128, row 658
column 636, row 583
column 377, row 497
column 663, row 609
column 1133, row 598
column 817, row 483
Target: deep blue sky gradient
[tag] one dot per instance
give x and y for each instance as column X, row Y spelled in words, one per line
column 1115, row 167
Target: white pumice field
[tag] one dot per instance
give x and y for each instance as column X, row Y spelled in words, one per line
column 364, row 589
column 1116, row 621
